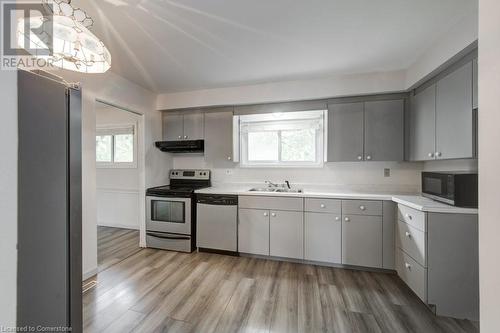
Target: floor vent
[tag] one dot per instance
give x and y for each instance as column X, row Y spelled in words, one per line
column 89, row 285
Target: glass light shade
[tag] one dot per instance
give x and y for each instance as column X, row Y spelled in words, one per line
column 74, row 47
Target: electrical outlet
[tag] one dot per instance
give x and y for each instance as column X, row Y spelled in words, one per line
column 387, row 172
column 229, row 172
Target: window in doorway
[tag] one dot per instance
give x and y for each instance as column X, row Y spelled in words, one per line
column 116, row 147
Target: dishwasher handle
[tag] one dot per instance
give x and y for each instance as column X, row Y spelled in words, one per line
column 217, row 199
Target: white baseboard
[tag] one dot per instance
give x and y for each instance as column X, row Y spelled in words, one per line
column 117, row 225
column 89, row 274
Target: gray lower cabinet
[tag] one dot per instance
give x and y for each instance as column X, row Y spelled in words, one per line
column 345, row 132
column 286, row 234
column 323, row 237
column 362, row 240
column 173, row 127
column 219, row 137
column 437, row 257
column 423, row 125
column 253, row 231
column 454, row 116
column 384, row 130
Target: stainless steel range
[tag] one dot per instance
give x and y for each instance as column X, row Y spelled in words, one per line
column 171, row 211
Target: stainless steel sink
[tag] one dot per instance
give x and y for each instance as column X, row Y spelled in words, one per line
column 275, row 189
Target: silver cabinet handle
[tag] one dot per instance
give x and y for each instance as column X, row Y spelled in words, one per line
column 185, row 136
column 431, row 154
column 266, row 214
column 368, row 157
column 322, row 205
column 438, row 154
column 407, row 265
column 408, row 234
column 362, row 207
column 337, row 218
column 180, row 136
column 360, row 157
column 273, row 214
column 229, row 158
column 408, row 216
column 347, row 219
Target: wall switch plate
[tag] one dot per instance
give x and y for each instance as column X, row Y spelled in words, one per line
column 387, row 172
column 229, row 172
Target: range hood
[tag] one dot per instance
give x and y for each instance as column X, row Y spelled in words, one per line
column 181, row 146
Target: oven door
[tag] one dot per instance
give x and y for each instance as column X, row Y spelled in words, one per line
column 439, row 186
column 172, row 215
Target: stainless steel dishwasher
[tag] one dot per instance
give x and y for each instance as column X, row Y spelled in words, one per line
column 217, row 223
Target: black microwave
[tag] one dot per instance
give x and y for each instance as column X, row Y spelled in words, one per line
column 454, row 188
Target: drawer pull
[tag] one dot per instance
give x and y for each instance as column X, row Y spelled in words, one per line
column 347, row 219
column 408, row 216
column 362, row 207
column 408, row 234
column 322, row 205
column 408, row 266
column 337, row 218
column 266, row 214
column 273, row 214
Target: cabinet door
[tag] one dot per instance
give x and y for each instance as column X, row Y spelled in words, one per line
column 287, row 234
column 193, row 126
column 475, row 84
column 345, row 132
column 219, row 138
column 362, row 240
column 423, row 125
column 384, row 124
column 323, row 237
column 173, row 127
column 253, row 231
column 454, row 120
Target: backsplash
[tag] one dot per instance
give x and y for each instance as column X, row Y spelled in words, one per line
column 451, row 165
column 403, row 176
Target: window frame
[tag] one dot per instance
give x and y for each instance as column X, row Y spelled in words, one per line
column 320, row 142
column 117, row 129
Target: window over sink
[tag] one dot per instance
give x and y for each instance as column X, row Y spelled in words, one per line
column 282, row 139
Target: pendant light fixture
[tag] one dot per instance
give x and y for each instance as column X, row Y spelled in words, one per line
column 74, row 47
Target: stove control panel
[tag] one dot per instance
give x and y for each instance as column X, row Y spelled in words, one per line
column 190, row 174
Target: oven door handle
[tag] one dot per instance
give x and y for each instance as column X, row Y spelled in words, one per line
column 158, row 235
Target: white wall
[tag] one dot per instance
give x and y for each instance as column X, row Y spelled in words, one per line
column 119, row 187
column 119, row 91
column 489, row 164
column 451, row 165
column 404, row 176
column 8, row 198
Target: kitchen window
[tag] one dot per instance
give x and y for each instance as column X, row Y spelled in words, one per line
column 116, row 147
column 282, row 139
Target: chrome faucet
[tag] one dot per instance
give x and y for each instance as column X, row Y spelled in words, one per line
column 274, row 185
column 271, row 184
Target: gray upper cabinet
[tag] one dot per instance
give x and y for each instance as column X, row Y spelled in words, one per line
column 475, row 76
column 384, row 130
column 345, row 132
column 193, row 126
column 177, row 126
column 454, row 116
column 173, row 127
column 423, row 125
column 219, row 137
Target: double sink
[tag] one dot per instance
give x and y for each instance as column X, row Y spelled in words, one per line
column 275, row 190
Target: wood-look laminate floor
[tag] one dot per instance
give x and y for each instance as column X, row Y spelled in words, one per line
column 161, row 291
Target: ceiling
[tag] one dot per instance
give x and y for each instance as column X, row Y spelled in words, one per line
column 172, row 46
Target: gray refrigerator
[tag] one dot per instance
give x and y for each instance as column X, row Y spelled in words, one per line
column 49, row 293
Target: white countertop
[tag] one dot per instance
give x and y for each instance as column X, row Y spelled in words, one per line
column 415, row 201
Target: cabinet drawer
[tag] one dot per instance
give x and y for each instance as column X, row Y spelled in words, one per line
column 413, row 217
column 414, row 275
column 362, row 207
column 323, row 205
column 412, row 241
column 276, row 203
